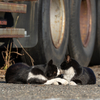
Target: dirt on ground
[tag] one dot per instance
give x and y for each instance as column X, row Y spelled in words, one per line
column 51, row 92
column 96, row 70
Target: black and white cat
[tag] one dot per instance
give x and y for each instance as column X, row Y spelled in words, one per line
column 76, row 74
column 21, row 73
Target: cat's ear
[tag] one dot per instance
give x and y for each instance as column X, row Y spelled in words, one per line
column 68, row 58
column 50, row 62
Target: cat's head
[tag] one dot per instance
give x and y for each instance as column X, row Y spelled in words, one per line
column 51, row 70
column 69, row 62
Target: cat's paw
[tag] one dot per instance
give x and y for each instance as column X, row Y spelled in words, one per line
column 72, row 83
column 55, row 83
column 51, row 82
column 62, row 81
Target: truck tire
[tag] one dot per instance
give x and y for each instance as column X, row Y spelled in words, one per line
column 53, row 32
column 82, row 30
column 96, row 54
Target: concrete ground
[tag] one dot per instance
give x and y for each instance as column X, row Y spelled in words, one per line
column 51, row 92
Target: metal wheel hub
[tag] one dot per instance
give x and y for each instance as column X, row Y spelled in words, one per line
column 85, row 22
column 57, row 21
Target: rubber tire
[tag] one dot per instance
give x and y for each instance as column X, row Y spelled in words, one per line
column 45, row 50
column 76, row 49
column 96, row 54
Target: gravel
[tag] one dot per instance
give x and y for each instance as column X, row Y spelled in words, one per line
column 51, row 92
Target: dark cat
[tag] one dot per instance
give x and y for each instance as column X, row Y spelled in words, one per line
column 51, row 70
column 73, row 72
column 21, row 73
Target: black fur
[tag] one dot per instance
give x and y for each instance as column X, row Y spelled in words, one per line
column 36, row 71
column 51, row 70
column 18, row 73
column 83, row 75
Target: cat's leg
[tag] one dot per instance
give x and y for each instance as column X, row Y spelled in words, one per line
column 72, row 83
column 51, row 82
column 62, row 81
column 56, row 81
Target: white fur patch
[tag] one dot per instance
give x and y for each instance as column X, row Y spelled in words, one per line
column 31, row 75
column 56, row 80
column 72, row 83
column 58, row 72
column 68, row 74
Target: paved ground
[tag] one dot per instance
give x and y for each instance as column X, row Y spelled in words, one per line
column 51, row 92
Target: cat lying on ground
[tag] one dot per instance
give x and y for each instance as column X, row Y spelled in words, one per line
column 21, row 73
column 76, row 74
column 72, row 72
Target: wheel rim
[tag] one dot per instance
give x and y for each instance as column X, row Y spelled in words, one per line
column 57, row 21
column 85, row 22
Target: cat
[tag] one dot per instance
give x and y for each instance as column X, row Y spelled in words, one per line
column 51, row 70
column 76, row 74
column 21, row 73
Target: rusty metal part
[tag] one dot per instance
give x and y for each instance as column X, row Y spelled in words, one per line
column 12, row 33
column 85, row 21
column 12, row 7
column 57, row 21
column 3, row 22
